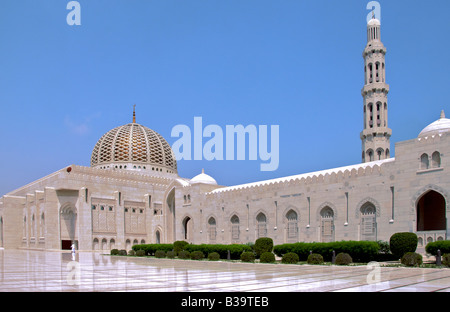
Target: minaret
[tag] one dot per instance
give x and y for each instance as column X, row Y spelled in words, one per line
column 376, row 135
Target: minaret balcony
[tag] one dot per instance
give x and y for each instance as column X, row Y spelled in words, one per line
column 374, row 87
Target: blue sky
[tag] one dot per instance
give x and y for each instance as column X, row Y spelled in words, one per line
column 293, row 63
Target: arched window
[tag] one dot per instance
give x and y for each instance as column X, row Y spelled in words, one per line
column 158, row 237
column 368, row 222
column 187, row 228
column 424, row 163
column 327, row 224
column 292, row 225
column 42, row 226
column 370, row 115
column 95, row 244
column 370, row 155
column 235, row 233
column 436, row 160
column 212, row 232
column 380, row 154
column 261, row 224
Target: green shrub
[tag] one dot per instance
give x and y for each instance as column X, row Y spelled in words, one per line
column 184, row 254
column 443, row 246
column 179, row 246
column 122, row 252
column 360, row 251
column 401, row 243
column 131, row 252
column 114, row 252
column 343, row 258
column 197, row 255
column 290, row 258
column 411, row 259
column 267, row 257
column 446, row 259
column 150, row 249
column 235, row 249
column 262, row 245
column 383, row 247
column 160, row 254
column 248, row 256
column 214, row 256
column 171, row 254
column 315, row 259
column 140, row 253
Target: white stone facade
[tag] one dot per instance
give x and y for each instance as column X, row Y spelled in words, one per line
column 132, row 194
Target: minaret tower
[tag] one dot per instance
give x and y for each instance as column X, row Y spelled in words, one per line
column 376, row 135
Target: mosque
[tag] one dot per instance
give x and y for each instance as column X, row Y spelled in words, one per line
column 132, row 192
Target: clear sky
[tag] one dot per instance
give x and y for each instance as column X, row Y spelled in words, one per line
column 293, row 63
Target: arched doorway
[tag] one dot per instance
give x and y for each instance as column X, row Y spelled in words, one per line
column 187, row 229
column 68, row 225
column 431, row 212
column 158, row 237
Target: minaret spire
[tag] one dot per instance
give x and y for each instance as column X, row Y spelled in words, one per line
column 134, row 113
column 376, row 135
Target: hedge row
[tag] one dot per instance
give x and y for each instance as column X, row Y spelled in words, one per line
column 360, row 251
column 235, row 249
column 150, row 249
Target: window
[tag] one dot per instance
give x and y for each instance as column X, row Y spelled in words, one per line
column 368, row 222
column 235, row 228
column 424, row 163
column 327, row 224
column 212, row 229
column 261, row 224
column 436, row 160
column 292, row 228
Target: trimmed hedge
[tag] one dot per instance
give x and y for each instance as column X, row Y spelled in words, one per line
column 360, row 251
column 197, row 255
column 443, row 246
column 262, row 245
column 411, row 259
column 179, row 246
column 267, row 257
column 247, row 256
column 150, row 249
column 446, row 260
column 214, row 256
column 403, row 242
column 290, row 258
column 235, row 249
column 315, row 259
column 343, row 259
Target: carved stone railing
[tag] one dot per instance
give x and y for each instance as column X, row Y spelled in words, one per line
column 426, row 237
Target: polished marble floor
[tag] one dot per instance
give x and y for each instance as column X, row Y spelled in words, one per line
column 39, row 271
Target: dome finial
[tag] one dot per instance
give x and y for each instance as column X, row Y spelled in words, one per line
column 134, row 113
column 442, row 114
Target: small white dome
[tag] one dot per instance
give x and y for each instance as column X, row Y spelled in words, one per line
column 203, row 178
column 374, row 22
column 439, row 126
